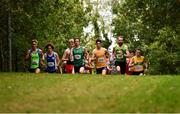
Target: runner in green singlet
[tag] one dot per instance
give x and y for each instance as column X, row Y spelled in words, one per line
column 34, row 55
column 79, row 54
column 120, row 52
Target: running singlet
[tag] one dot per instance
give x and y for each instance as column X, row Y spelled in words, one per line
column 138, row 63
column 35, row 59
column 100, row 57
column 51, row 62
column 78, row 55
column 70, row 58
column 120, row 53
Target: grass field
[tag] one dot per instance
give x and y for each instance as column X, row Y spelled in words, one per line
column 25, row 92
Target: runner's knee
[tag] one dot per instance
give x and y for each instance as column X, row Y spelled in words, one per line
column 81, row 70
column 118, row 68
column 104, row 72
column 37, row 71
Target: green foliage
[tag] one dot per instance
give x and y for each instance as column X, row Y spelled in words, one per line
column 165, row 53
column 154, row 27
column 53, row 21
column 95, row 24
column 106, row 43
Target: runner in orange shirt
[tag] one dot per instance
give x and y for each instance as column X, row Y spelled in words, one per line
column 138, row 63
column 99, row 56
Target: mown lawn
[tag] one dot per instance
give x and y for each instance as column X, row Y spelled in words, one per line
column 25, row 92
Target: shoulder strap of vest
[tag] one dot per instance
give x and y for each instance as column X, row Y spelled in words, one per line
column 124, row 46
column 73, row 51
column 54, row 55
column 82, row 50
column 116, row 46
column 30, row 51
column 38, row 50
column 46, row 55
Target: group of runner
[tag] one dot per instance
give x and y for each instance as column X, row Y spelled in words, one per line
column 77, row 59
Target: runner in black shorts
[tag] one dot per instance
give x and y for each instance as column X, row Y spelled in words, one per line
column 79, row 54
column 120, row 52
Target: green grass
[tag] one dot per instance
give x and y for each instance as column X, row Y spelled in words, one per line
column 25, row 92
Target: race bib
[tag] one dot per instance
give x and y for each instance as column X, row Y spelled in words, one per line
column 101, row 59
column 138, row 68
column 119, row 56
column 77, row 56
column 50, row 64
column 34, row 62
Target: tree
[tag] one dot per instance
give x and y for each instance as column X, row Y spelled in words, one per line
column 53, row 21
column 100, row 26
column 147, row 23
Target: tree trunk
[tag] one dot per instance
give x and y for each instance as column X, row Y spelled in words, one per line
column 16, row 60
column 9, row 39
column 2, row 56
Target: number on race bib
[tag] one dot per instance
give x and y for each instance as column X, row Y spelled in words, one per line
column 34, row 62
column 50, row 64
column 119, row 56
column 138, row 68
column 77, row 56
column 101, row 59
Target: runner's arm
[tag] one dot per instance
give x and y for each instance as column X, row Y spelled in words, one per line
column 42, row 60
column 114, row 52
column 57, row 59
column 127, row 52
column 145, row 63
column 27, row 55
column 107, row 54
column 93, row 56
column 65, row 56
column 131, row 63
column 86, row 54
column 90, row 63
